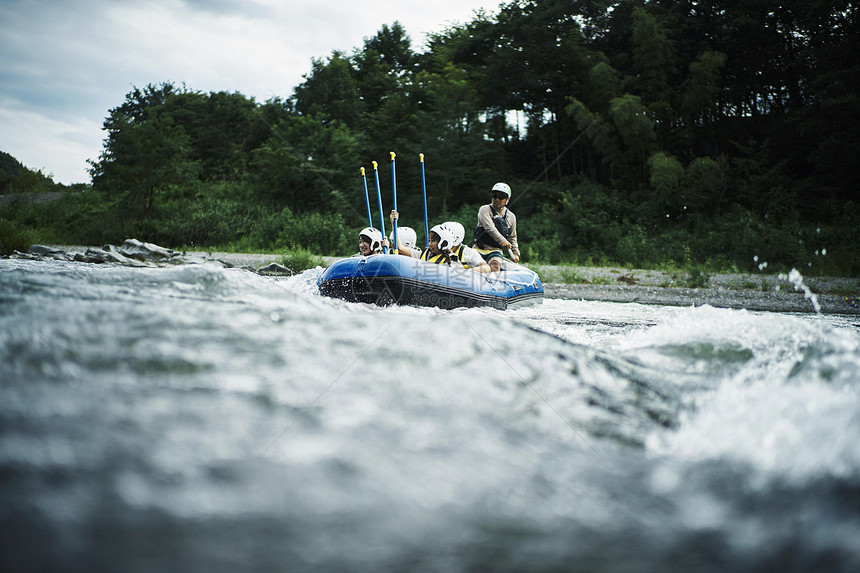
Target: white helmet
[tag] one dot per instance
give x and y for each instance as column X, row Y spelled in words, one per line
column 446, row 236
column 503, row 188
column 458, row 230
column 375, row 236
column 407, row 236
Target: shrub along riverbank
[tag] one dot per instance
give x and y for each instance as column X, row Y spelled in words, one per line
column 236, row 225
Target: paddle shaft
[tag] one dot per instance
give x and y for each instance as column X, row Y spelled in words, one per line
column 394, row 197
column 366, row 198
column 379, row 201
column 424, row 194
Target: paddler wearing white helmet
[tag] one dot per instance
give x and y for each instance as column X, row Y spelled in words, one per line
column 369, row 242
column 406, row 236
column 496, row 230
column 441, row 241
column 468, row 257
column 445, row 245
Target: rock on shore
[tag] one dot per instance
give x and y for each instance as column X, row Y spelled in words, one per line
column 135, row 253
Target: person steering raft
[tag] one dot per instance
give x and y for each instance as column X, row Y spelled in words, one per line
column 497, row 229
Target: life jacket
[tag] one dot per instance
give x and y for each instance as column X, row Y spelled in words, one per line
column 440, row 259
column 482, row 237
column 458, row 254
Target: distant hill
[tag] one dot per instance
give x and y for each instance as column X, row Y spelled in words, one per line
column 9, row 168
column 16, row 178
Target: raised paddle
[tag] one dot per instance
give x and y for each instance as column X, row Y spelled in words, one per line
column 366, row 198
column 394, row 193
column 424, row 193
column 379, row 201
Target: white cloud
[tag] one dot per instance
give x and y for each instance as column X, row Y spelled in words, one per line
column 58, row 148
column 65, row 64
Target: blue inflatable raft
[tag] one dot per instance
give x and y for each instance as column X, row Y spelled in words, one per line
column 395, row 279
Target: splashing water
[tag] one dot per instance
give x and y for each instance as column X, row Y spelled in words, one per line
column 206, row 419
column 796, row 279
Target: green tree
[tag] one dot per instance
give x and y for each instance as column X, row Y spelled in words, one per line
column 451, row 132
column 604, row 83
column 704, row 182
column 145, row 154
column 305, row 164
column 330, row 92
column 701, row 87
column 653, row 57
column 623, row 137
column 635, row 126
column 666, row 176
column 604, row 147
column 222, row 128
column 381, row 67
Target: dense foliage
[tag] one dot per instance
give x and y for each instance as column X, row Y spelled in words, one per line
column 636, row 132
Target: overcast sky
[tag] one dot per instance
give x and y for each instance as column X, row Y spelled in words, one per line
column 65, row 63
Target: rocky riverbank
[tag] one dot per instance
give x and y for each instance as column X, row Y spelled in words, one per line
column 773, row 301
column 134, row 253
column 767, row 292
column 775, row 293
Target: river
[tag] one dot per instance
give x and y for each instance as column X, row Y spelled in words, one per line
column 196, row 418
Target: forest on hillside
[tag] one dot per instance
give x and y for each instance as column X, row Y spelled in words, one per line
column 723, row 133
